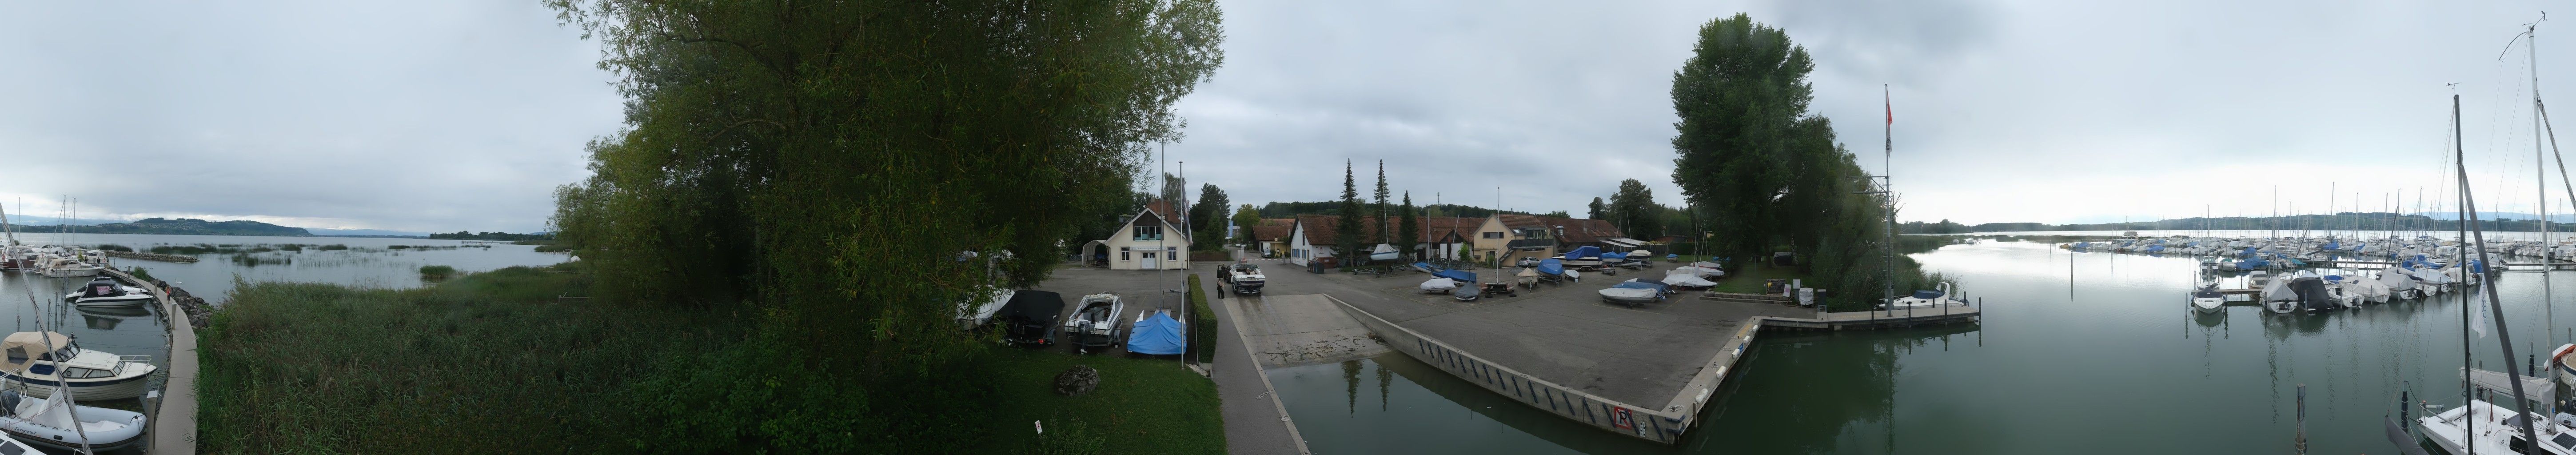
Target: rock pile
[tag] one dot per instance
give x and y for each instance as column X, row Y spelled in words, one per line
column 199, row 313
column 1074, row 382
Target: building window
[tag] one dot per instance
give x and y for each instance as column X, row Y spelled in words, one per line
column 1149, row 233
column 1122, row 253
column 1494, row 235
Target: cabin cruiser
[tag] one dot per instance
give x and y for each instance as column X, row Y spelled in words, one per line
column 105, row 291
column 1094, row 323
column 1926, row 299
column 51, row 422
column 91, row 375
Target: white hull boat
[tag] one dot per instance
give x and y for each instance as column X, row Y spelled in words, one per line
column 2208, row 299
column 1926, row 299
column 1688, row 281
column 49, row 422
column 1094, row 323
column 91, row 375
column 1438, row 286
column 2491, row 429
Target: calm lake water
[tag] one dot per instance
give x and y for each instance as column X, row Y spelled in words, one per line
column 369, row 262
column 2081, row 353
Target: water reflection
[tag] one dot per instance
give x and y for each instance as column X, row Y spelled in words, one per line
column 106, row 318
column 1819, row 392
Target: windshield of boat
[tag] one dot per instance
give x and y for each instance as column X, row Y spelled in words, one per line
column 2567, row 440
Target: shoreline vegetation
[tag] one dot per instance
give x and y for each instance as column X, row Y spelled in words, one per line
column 322, row 368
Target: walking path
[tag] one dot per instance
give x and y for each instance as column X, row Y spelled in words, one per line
column 1255, row 422
column 173, row 421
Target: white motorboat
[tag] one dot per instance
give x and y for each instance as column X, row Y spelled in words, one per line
column 2493, row 429
column 1926, row 299
column 105, row 291
column 1697, row 271
column 91, row 375
column 2208, row 299
column 1094, row 323
column 1246, row 278
column 50, row 422
column 1383, row 252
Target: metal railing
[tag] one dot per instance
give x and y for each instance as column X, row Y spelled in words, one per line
column 123, row 360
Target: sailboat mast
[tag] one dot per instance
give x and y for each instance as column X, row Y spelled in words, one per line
column 2504, row 336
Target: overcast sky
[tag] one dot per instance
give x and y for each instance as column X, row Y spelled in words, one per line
column 2035, row 111
column 464, row 115
column 419, row 116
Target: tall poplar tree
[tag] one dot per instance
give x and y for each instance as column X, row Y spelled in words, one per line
column 1347, row 235
column 1410, row 234
column 1380, row 235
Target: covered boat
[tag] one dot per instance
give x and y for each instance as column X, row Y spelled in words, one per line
column 1631, row 294
column 1551, row 267
column 1580, row 257
column 972, row 314
column 1467, row 292
column 40, row 362
column 1156, row 333
column 2311, row 294
column 1031, row 317
column 50, row 422
column 1462, row 276
column 1382, row 253
column 1687, row 280
column 1438, row 285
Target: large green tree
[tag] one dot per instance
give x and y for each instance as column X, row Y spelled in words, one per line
column 1209, row 214
column 1634, row 209
column 1410, row 231
column 815, row 165
column 1346, row 230
column 1244, row 219
column 1599, row 211
column 1767, row 172
column 1740, row 97
column 1379, row 235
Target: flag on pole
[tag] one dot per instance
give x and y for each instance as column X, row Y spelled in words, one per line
column 1891, row 104
column 2484, row 318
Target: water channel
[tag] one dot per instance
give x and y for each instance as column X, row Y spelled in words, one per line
column 137, row 330
column 2090, row 353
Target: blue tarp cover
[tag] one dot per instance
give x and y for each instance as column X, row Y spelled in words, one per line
column 1551, row 267
column 1158, row 334
column 1461, row 275
column 1583, row 252
column 1658, row 287
column 1427, row 267
column 1614, row 256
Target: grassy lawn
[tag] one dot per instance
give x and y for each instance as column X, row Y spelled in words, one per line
column 1749, row 279
column 1142, row 406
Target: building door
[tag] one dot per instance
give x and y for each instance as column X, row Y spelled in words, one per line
column 1150, row 262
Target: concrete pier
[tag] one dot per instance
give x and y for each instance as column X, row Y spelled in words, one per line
column 172, row 425
column 1643, row 372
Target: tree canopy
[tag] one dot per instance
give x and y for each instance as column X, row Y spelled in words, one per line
column 822, row 165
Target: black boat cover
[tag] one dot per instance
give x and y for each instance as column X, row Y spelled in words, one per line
column 2312, row 294
column 1030, row 314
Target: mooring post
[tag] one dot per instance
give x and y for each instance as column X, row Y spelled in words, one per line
column 2302, row 446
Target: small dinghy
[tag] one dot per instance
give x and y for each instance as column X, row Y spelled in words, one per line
column 49, row 422
column 1467, row 293
column 105, row 291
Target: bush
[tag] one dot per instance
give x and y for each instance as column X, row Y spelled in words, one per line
column 113, row 247
column 1202, row 323
column 139, row 274
column 436, row 271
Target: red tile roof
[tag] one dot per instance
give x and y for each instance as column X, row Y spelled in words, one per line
column 1268, row 233
column 1320, row 229
column 1578, row 231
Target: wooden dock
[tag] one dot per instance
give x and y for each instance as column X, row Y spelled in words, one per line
column 1880, row 319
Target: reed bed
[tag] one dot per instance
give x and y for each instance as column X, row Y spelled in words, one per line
column 492, row 362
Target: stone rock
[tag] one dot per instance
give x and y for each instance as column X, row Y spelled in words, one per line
column 1074, row 382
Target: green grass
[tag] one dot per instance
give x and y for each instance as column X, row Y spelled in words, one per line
column 1142, row 406
column 1749, row 279
column 436, row 272
column 139, row 274
column 319, row 368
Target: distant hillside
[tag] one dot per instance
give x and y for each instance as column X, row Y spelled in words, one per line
column 181, row 226
column 363, row 233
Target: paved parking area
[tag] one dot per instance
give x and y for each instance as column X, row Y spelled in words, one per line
column 1141, row 290
column 1562, row 334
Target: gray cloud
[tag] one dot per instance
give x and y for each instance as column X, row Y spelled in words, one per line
column 448, row 115
column 2006, row 111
